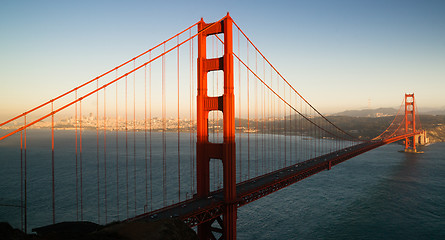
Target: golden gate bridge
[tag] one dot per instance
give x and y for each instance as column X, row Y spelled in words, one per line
column 194, row 128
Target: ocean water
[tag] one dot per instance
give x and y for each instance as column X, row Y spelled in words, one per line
column 382, row 194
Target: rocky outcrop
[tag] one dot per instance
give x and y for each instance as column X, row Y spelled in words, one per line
column 165, row 229
column 8, row 233
column 436, row 134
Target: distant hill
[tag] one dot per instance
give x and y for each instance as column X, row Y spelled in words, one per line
column 379, row 112
column 383, row 112
column 370, row 127
column 434, row 112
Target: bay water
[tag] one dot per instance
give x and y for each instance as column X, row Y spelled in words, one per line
column 381, row 194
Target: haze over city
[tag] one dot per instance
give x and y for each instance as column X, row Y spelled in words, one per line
column 338, row 54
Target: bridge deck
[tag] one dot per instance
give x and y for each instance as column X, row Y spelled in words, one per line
column 197, row 211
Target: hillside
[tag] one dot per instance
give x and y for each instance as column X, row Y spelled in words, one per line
column 369, row 127
column 378, row 112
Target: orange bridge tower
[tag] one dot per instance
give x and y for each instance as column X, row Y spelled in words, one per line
column 410, row 122
column 206, row 150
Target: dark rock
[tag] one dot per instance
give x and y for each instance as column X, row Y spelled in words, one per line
column 66, row 230
column 165, row 229
column 8, row 233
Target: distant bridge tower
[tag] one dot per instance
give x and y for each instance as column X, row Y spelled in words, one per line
column 410, row 122
column 222, row 151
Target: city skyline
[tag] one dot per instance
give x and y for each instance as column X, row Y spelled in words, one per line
column 339, row 55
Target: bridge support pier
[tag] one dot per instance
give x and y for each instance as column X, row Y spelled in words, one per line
column 206, row 150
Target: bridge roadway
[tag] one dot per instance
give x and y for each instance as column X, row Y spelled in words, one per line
column 196, row 211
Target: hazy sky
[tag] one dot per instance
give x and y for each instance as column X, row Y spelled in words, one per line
column 337, row 54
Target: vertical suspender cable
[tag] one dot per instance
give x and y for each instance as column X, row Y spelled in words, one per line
column 97, row 152
column 21, row 181
column 248, row 115
column 179, row 148
column 217, row 120
column 256, row 115
column 279, row 123
column 213, row 114
column 192, row 112
column 262, row 113
column 77, row 181
column 134, row 133
column 285, row 125
column 271, row 125
column 306, row 130
column 117, row 152
column 164, row 150
column 314, row 134
column 126, row 138
column 25, row 184
column 80, row 160
column 301, row 132
column 52, row 162
column 272, row 102
column 293, row 129
column 149, row 113
column 269, row 129
column 290, row 135
column 239, row 115
column 145, row 138
column 105, row 156
column 149, row 110
column 190, row 117
column 296, row 131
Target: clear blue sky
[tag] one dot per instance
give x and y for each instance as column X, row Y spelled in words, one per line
column 338, row 54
